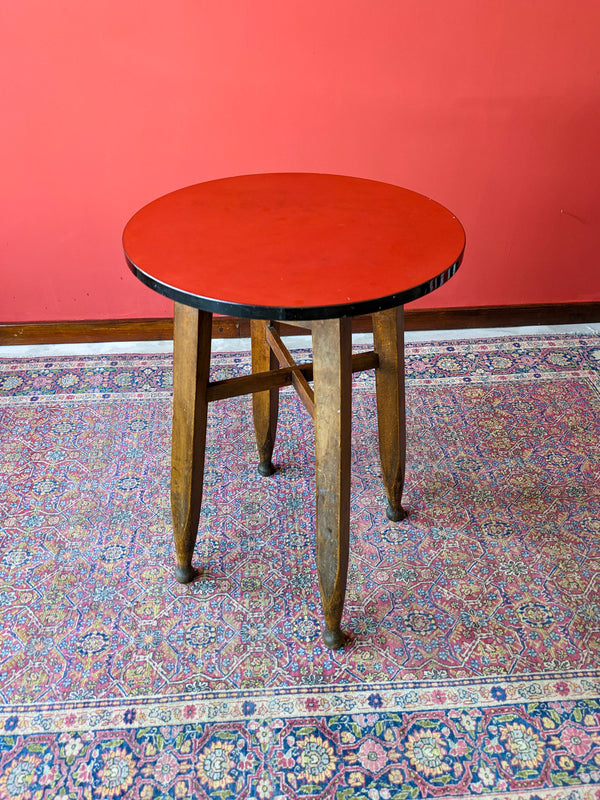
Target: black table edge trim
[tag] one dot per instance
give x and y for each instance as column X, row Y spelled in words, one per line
column 293, row 313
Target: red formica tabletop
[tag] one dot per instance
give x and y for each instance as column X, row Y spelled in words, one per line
column 295, row 246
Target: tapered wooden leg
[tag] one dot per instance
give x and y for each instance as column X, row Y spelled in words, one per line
column 191, row 363
column 265, row 404
column 332, row 356
column 388, row 336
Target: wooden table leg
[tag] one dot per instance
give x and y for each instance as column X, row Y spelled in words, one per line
column 388, row 337
column 332, row 356
column 191, row 364
column 265, row 405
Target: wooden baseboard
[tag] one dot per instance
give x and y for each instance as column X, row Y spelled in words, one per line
column 127, row 330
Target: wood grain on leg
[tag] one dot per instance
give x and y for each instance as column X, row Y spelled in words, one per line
column 191, row 364
column 265, row 404
column 388, row 337
column 332, row 353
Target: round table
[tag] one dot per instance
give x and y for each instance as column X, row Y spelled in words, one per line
column 309, row 249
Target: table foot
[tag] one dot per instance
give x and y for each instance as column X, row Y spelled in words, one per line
column 395, row 515
column 186, row 574
column 266, row 468
column 334, row 640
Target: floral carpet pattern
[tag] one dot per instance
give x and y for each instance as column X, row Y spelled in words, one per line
column 473, row 667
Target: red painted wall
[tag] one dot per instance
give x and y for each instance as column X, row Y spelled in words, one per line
column 491, row 107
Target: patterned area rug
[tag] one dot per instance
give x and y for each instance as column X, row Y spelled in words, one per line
column 474, row 662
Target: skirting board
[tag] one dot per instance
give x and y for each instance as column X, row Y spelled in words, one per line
column 125, row 330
